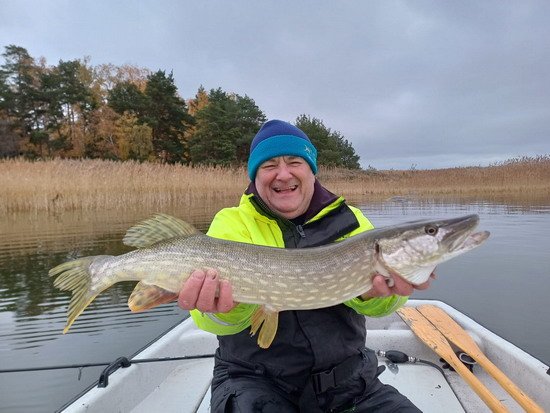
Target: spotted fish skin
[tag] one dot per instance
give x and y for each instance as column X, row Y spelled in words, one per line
column 277, row 279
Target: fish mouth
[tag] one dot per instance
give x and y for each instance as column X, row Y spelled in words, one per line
column 459, row 233
column 473, row 240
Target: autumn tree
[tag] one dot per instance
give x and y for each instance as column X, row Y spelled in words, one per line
column 134, row 140
column 194, row 105
column 124, row 112
column 159, row 107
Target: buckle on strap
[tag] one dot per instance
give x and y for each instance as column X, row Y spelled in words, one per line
column 330, row 379
column 324, row 381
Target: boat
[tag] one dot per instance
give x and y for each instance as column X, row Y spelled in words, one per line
column 181, row 382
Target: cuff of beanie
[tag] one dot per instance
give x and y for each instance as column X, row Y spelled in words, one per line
column 281, row 145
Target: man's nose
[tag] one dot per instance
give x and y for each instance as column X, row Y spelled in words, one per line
column 283, row 171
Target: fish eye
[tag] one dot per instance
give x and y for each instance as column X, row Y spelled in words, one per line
column 431, row 229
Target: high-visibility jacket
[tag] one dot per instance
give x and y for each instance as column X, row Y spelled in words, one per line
column 306, row 340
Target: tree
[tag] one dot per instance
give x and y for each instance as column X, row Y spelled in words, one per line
column 167, row 116
column 225, row 127
column 158, row 107
column 194, row 106
column 18, row 87
column 126, row 97
column 333, row 149
column 101, row 137
column 105, row 77
column 134, row 140
column 9, row 140
column 199, row 102
column 68, row 103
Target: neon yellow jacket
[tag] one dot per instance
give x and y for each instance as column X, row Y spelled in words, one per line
column 245, row 224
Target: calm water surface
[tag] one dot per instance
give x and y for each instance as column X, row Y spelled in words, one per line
column 504, row 285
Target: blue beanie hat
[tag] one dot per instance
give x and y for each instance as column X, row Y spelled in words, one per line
column 278, row 138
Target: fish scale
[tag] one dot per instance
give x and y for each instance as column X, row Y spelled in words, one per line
column 276, row 279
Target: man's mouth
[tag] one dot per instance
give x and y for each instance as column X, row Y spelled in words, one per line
column 285, row 189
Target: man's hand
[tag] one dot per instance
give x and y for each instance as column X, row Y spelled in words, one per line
column 205, row 292
column 380, row 287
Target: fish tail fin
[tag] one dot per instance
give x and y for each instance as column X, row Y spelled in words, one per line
column 75, row 276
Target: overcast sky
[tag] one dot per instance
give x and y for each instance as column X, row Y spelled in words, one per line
column 425, row 83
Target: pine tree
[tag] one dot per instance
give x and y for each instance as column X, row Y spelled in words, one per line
column 224, row 129
column 333, row 149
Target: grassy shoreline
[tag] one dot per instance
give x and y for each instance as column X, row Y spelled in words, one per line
column 91, row 185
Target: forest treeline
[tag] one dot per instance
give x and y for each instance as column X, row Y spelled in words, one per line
column 76, row 110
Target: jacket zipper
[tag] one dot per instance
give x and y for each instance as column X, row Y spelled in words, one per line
column 284, row 221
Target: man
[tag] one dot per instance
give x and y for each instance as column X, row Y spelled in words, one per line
column 317, row 361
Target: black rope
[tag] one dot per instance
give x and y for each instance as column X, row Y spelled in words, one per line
column 81, row 366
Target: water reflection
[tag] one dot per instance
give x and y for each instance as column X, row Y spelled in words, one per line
column 504, row 285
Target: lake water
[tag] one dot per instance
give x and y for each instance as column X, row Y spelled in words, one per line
column 504, row 285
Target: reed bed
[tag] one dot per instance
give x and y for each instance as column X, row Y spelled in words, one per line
column 521, row 177
column 92, row 185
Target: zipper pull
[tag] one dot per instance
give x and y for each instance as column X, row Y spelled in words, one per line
column 300, row 231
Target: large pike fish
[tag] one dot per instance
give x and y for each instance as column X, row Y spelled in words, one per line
column 169, row 249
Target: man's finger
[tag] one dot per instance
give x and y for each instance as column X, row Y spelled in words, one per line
column 402, row 287
column 380, row 286
column 225, row 299
column 190, row 292
column 206, row 302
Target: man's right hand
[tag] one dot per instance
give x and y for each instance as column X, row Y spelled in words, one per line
column 205, row 292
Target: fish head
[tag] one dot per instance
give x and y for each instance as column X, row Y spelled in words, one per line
column 413, row 250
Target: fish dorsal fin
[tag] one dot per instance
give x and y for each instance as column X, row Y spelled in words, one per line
column 146, row 296
column 161, row 227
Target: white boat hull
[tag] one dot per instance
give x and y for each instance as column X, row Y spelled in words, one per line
column 183, row 386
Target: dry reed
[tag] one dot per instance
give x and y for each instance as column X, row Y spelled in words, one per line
column 61, row 185
column 527, row 177
column 91, row 185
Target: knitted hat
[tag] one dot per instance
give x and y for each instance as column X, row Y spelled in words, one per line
column 278, row 138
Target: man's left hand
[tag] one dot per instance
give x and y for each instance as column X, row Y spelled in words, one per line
column 380, row 287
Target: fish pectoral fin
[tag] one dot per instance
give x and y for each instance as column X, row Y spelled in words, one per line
column 265, row 321
column 146, row 296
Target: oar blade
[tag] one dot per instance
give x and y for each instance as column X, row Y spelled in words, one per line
column 439, row 344
column 459, row 337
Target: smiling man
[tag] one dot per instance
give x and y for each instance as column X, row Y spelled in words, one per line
column 318, row 361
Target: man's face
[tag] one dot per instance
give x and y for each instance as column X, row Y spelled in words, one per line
column 286, row 184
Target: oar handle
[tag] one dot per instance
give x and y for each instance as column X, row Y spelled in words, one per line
column 483, row 392
column 524, row 401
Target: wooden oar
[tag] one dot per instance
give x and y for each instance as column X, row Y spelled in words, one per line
column 435, row 340
column 460, row 338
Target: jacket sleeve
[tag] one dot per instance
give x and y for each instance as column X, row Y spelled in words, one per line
column 228, row 225
column 376, row 306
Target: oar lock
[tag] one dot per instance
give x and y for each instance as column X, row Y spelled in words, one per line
column 466, row 359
